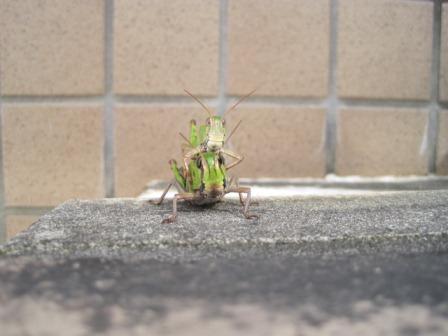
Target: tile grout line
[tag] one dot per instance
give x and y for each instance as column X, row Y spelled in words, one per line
column 28, row 210
column 432, row 129
column 2, row 178
column 386, row 103
column 108, row 149
column 223, row 56
column 270, row 100
column 53, row 99
column 184, row 100
column 332, row 100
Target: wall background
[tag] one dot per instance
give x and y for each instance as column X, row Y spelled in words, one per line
column 91, row 91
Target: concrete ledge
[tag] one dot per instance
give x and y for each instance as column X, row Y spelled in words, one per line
column 405, row 221
column 309, row 266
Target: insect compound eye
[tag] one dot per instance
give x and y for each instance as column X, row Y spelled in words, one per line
column 223, row 122
column 208, row 121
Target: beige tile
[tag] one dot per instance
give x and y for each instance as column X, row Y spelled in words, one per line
column 51, row 47
column 444, row 55
column 17, row 223
column 164, row 46
column 442, row 144
column 281, row 45
column 279, row 141
column 384, row 49
column 381, row 142
column 146, row 138
column 52, row 153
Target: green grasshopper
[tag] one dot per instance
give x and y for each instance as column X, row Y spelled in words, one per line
column 203, row 179
column 211, row 137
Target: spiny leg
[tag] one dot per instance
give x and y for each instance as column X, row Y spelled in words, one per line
column 244, row 190
column 233, row 181
column 182, row 196
column 160, row 200
column 188, row 156
column 238, row 158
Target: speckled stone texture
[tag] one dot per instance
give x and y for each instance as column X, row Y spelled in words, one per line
column 279, row 141
column 376, row 57
column 52, row 47
column 162, row 47
column 281, row 47
column 52, row 152
column 401, row 221
column 373, row 265
column 381, row 141
column 444, row 55
column 256, row 295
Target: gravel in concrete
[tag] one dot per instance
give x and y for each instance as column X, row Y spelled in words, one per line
column 351, row 265
column 400, row 221
column 276, row 295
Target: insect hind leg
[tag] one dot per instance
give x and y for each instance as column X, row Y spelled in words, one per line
column 244, row 190
column 160, row 200
column 178, row 177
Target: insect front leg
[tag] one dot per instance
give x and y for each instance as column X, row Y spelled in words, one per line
column 238, row 158
column 244, row 190
column 173, row 216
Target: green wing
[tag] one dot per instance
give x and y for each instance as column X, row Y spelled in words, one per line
column 195, row 175
column 177, row 175
column 197, row 133
column 213, row 170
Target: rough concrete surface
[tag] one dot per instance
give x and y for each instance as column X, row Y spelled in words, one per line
column 278, row 295
column 351, row 265
column 402, row 221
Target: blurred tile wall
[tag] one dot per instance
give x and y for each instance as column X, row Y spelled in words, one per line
column 91, row 91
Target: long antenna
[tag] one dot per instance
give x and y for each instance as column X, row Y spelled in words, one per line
column 202, row 104
column 185, row 138
column 240, row 100
column 233, row 131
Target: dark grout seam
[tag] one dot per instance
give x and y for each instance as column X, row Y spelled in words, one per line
column 143, row 99
column 52, row 99
column 386, row 103
column 223, row 56
column 108, row 121
column 184, row 100
column 28, row 210
column 2, row 179
column 273, row 100
column 432, row 130
column 332, row 100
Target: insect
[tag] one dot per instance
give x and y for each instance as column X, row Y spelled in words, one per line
column 211, row 136
column 203, row 179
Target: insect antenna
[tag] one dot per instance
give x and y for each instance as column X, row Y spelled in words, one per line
column 241, row 99
column 185, row 138
column 201, row 103
column 233, row 131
